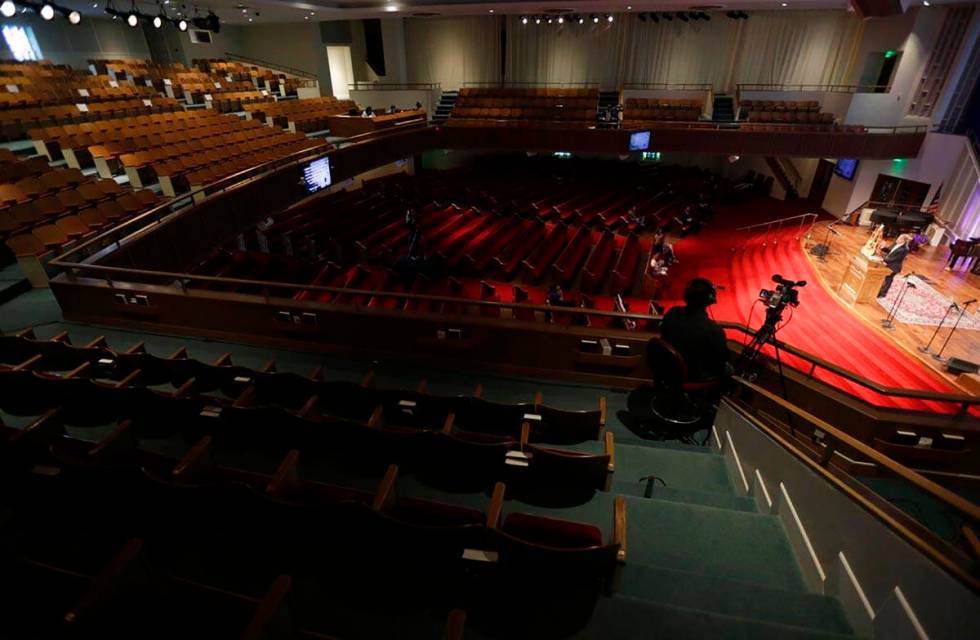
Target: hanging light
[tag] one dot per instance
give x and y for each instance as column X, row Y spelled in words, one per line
column 609, row 18
column 523, row 19
column 8, row 9
column 132, row 19
column 182, row 24
column 581, row 20
column 537, row 21
column 157, row 21
column 595, row 19
column 561, row 20
column 74, row 17
column 47, row 12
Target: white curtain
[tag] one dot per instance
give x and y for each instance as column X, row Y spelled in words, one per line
column 797, row 47
column 787, row 47
column 452, row 51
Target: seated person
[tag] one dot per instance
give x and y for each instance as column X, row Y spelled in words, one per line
column 663, row 249
column 699, row 340
column 556, row 297
column 633, row 217
column 418, row 106
column 353, row 111
column 392, row 109
column 368, row 112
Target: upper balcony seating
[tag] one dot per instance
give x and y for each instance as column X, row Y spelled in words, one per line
column 663, row 109
column 305, row 115
column 784, row 112
column 507, row 106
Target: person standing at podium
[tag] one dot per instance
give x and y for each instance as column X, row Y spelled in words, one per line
column 893, row 259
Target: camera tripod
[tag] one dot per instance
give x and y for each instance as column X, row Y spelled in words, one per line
column 765, row 334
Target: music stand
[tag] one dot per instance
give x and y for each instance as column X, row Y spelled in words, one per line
column 888, row 322
column 966, row 305
column 925, row 349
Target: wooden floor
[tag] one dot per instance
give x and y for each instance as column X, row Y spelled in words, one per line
column 929, row 262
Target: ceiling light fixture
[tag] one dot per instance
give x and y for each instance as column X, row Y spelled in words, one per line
column 609, row 17
column 8, row 9
column 47, row 11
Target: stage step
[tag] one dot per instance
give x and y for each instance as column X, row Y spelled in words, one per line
column 723, row 109
column 445, row 106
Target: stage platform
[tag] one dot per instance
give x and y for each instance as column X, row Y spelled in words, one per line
column 927, row 262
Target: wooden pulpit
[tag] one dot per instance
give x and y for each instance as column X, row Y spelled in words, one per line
column 862, row 279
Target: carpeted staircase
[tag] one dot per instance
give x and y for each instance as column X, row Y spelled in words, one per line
column 723, row 109
column 446, row 103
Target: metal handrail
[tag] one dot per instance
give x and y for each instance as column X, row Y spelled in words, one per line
column 392, row 86
column 826, row 88
column 791, row 127
column 509, row 83
column 271, row 65
column 778, row 226
column 672, row 86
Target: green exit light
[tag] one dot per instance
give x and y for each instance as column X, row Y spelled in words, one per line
column 890, row 53
column 653, row 156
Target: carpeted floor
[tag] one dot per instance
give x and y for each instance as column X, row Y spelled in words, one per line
column 821, row 325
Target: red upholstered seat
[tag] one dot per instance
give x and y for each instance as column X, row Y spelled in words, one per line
column 552, row 532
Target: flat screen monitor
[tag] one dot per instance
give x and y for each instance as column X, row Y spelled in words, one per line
column 316, row 175
column 639, row 141
column 846, row 167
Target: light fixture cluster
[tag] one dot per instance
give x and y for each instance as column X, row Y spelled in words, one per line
column 683, row 16
column 47, row 10
column 737, row 15
column 134, row 17
column 594, row 18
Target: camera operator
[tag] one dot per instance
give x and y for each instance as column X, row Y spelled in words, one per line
column 699, row 340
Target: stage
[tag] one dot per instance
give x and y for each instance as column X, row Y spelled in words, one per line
column 928, row 262
column 823, row 325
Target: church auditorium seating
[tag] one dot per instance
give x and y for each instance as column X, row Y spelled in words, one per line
column 46, row 208
column 784, row 112
column 305, row 115
column 537, row 106
column 639, row 110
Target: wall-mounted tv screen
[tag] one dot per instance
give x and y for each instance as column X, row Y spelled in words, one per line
column 639, row 141
column 316, row 175
column 846, row 167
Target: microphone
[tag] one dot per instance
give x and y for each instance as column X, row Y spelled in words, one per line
column 833, row 231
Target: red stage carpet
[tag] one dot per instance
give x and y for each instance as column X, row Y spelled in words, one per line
column 821, row 325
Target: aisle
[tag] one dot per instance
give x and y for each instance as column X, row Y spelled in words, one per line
column 821, row 325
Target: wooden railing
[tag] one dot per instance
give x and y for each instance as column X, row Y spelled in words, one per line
column 393, row 86
column 829, row 440
column 274, row 66
column 825, row 88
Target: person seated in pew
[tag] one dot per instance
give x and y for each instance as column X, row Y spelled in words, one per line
column 556, row 298
column 688, row 222
column 663, row 249
column 392, row 109
column 368, row 112
column 633, row 217
column 353, row 111
column 699, row 339
column 414, row 233
column 418, row 106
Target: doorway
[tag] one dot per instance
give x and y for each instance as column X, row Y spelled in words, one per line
column 341, row 70
column 821, row 181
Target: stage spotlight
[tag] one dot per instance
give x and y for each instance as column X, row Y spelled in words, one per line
column 580, row 20
column 594, row 18
column 706, row 17
column 643, row 17
column 537, row 21
column 742, row 15
column 731, row 14
column 654, row 17
column 74, row 17
column 182, row 24
column 132, row 19
column 561, row 20
column 157, row 21
column 523, row 19
column 682, row 16
column 609, row 17
column 667, row 16
column 8, row 9
column 550, row 20
column 47, row 12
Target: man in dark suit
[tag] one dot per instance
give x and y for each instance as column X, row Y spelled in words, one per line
column 893, row 259
column 698, row 338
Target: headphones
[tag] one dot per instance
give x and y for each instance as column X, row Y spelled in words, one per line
column 700, row 292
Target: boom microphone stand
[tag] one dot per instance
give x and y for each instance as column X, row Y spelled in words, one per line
column 952, row 305
column 822, row 250
column 889, row 319
column 939, row 356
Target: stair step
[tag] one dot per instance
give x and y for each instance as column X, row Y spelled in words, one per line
column 630, row 487
column 678, row 468
column 625, row 618
column 722, row 543
column 733, row 598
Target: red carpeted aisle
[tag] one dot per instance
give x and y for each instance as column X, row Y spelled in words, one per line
column 821, row 325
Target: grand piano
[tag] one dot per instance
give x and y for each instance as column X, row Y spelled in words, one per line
column 898, row 221
column 968, row 250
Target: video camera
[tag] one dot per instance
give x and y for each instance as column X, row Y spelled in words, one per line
column 785, row 293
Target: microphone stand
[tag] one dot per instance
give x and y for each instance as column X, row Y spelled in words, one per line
column 887, row 322
column 939, row 356
column 951, row 306
column 822, row 250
